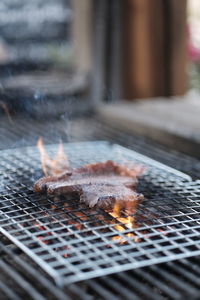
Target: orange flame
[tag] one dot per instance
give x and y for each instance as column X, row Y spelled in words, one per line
column 52, row 166
column 127, row 221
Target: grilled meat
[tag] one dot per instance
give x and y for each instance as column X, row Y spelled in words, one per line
column 98, row 184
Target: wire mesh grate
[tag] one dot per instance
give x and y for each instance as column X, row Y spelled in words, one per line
column 72, row 242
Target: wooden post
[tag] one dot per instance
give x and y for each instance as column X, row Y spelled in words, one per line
column 154, row 48
column 82, row 35
column 176, row 24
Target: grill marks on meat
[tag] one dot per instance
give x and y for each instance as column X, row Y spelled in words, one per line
column 98, row 184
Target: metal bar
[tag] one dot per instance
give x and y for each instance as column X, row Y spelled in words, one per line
column 8, row 292
column 102, row 290
column 26, row 286
column 119, row 288
column 131, row 278
column 158, row 282
column 31, row 272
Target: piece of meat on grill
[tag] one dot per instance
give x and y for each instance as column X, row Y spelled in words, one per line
column 98, row 184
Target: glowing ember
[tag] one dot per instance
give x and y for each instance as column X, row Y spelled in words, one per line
column 80, row 215
column 52, row 166
column 41, row 238
column 65, row 255
column 39, row 226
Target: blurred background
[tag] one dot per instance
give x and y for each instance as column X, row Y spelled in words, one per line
column 135, row 63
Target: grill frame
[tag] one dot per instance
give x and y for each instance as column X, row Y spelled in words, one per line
column 181, row 182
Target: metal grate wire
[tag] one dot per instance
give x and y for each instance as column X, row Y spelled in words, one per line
column 71, row 242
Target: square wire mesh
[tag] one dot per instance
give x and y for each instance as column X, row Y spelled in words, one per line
column 72, row 242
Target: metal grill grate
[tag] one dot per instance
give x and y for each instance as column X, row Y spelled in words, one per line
column 71, row 242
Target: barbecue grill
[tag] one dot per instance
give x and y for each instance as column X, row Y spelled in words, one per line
column 56, row 247
column 47, row 243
